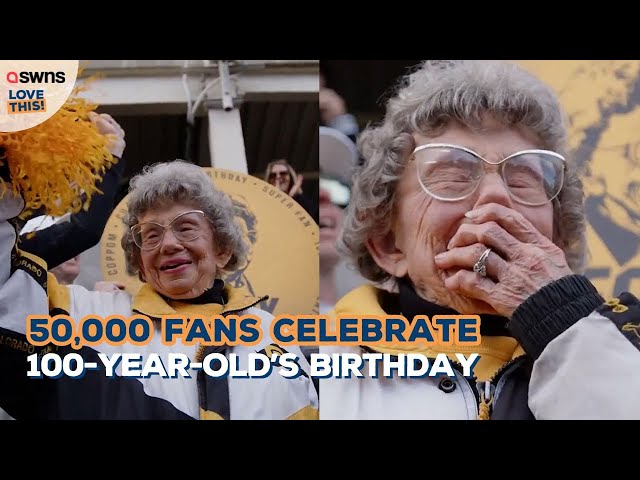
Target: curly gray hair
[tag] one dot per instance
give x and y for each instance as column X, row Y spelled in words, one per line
column 180, row 181
column 425, row 101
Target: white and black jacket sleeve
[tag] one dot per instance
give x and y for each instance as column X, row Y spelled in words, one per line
column 586, row 352
column 22, row 293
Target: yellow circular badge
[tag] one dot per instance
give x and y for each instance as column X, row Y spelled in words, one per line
column 31, row 91
column 282, row 238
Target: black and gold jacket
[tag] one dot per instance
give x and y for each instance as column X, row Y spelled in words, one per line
column 564, row 354
column 26, row 289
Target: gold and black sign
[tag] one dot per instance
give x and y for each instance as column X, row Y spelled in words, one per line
column 282, row 238
column 602, row 100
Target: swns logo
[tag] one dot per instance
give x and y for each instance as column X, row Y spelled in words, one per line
column 36, row 77
column 31, row 91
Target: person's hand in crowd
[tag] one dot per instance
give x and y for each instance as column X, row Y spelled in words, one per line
column 103, row 286
column 112, row 130
column 297, row 186
column 332, row 105
column 520, row 263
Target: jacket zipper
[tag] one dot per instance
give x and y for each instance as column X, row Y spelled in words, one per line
column 486, row 391
column 482, row 391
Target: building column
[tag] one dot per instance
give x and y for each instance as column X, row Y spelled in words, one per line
column 226, row 141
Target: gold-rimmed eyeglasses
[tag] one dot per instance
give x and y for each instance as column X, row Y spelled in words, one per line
column 185, row 227
column 450, row 173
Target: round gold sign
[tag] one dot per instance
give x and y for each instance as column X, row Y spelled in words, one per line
column 282, row 238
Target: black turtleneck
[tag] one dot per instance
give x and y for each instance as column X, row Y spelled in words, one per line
column 215, row 294
column 408, row 304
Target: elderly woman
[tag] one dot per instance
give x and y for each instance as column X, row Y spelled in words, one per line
column 467, row 203
column 180, row 238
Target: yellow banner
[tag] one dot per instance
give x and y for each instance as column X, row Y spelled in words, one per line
column 602, row 100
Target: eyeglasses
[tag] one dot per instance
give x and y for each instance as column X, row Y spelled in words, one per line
column 451, row 173
column 185, row 227
column 273, row 175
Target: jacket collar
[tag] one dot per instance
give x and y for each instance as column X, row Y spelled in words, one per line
column 494, row 351
column 149, row 302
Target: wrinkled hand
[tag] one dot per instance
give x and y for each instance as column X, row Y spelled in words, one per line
column 112, row 130
column 297, row 187
column 103, row 286
column 331, row 105
column 521, row 262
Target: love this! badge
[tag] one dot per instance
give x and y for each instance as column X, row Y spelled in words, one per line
column 31, row 91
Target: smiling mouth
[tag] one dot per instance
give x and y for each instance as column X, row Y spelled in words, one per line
column 327, row 223
column 173, row 266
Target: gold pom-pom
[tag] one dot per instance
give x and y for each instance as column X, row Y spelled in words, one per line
column 55, row 162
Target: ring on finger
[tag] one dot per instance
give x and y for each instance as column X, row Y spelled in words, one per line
column 480, row 266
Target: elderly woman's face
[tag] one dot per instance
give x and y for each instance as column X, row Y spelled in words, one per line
column 424, row 226
column 181, row 269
